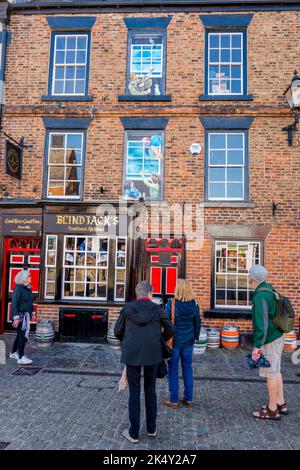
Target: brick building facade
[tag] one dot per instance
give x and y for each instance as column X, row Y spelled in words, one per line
column 109, row 99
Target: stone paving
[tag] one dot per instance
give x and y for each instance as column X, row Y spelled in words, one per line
column 74, row 403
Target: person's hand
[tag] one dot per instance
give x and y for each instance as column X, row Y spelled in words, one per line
column 256, row 354
column 15, row 323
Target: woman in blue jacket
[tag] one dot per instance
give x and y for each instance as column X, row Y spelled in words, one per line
column 187, row 330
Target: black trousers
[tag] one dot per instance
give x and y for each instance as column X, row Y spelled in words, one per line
column 134, row 404
column 20, row 341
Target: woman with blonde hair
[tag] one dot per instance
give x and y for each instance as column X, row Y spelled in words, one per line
column 187, row 330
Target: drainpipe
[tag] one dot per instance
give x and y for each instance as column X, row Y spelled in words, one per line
column 3, row 41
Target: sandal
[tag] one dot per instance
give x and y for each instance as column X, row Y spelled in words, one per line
column 266, row 413
column 283, row 409
column 171, row 405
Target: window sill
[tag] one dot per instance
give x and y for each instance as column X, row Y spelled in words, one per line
column 226, row 98
column 238, row 205
column 66, row 98
column 144, row 98
column 228, row 314
column 81, row 303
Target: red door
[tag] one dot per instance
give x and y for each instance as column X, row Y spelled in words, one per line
column 163, row 263
column 19, row 253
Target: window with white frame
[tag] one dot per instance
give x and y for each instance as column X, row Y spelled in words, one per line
column 65, row 154
column 70, row 61
column 225, row 63
column 50, row 266
column 144, row 158
column 145, row 73
column 120, row 269
column 233, row 260
column 85, row 267
column 226, row 165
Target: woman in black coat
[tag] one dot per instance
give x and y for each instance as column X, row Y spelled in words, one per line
column 22, row 311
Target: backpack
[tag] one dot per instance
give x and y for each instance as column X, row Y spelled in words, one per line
column 285, row 314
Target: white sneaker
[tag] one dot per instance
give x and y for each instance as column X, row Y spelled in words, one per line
column 152, row 434
column 128, row 437
column 14, row 355
column 24, row 360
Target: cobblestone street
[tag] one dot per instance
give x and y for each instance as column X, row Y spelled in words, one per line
column 73, row 403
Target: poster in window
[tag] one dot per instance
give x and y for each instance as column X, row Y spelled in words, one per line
column 146, row 65
column 144, row 166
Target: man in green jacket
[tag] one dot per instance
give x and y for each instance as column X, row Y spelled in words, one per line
column 268, row 340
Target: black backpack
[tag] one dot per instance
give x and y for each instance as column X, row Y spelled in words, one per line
column 285, row 314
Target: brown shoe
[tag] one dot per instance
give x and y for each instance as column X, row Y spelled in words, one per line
column 266, row 413
column 283, row 409
column 171, row 405
column 189, row 404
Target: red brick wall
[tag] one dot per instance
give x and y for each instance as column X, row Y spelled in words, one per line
column 274, row 167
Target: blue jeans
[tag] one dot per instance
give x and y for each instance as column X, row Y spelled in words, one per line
column 185, row 353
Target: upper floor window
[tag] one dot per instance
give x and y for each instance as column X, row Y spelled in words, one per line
column 146, row 59
column 225, row 63
column 226, row 158
column 146, row 72
column 64, row 165
column 226, row 166
column 226, row 56
column 69, row 58
column 144, row 165
column 70, row 64
column 143, row 172
column 64, row 157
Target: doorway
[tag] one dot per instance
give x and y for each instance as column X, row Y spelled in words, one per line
column 19, row 253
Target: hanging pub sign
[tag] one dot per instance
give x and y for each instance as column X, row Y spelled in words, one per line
column 13, row 154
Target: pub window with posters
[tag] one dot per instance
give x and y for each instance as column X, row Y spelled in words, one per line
column 233, row 260
column 120, row 269
column 145, row 70
column 85, row 268
column 65, row 155
column 144, row 160
column 50, row 266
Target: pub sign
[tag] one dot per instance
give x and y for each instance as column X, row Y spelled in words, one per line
column 13, row 159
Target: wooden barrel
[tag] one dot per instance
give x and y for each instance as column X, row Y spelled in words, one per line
column 200, row 345
column 290, row 342
column 44, row 333
column 230, row 337
column 113, row 342
column 213, row 338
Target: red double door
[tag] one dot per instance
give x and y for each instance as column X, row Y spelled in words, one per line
column 164, row 258
column 19, row 253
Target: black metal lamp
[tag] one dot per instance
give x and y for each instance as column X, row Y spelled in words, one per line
column 292, row 95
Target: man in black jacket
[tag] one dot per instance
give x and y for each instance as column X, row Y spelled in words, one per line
column 139, row 327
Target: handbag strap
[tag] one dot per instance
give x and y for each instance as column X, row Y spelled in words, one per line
column 173, row 311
